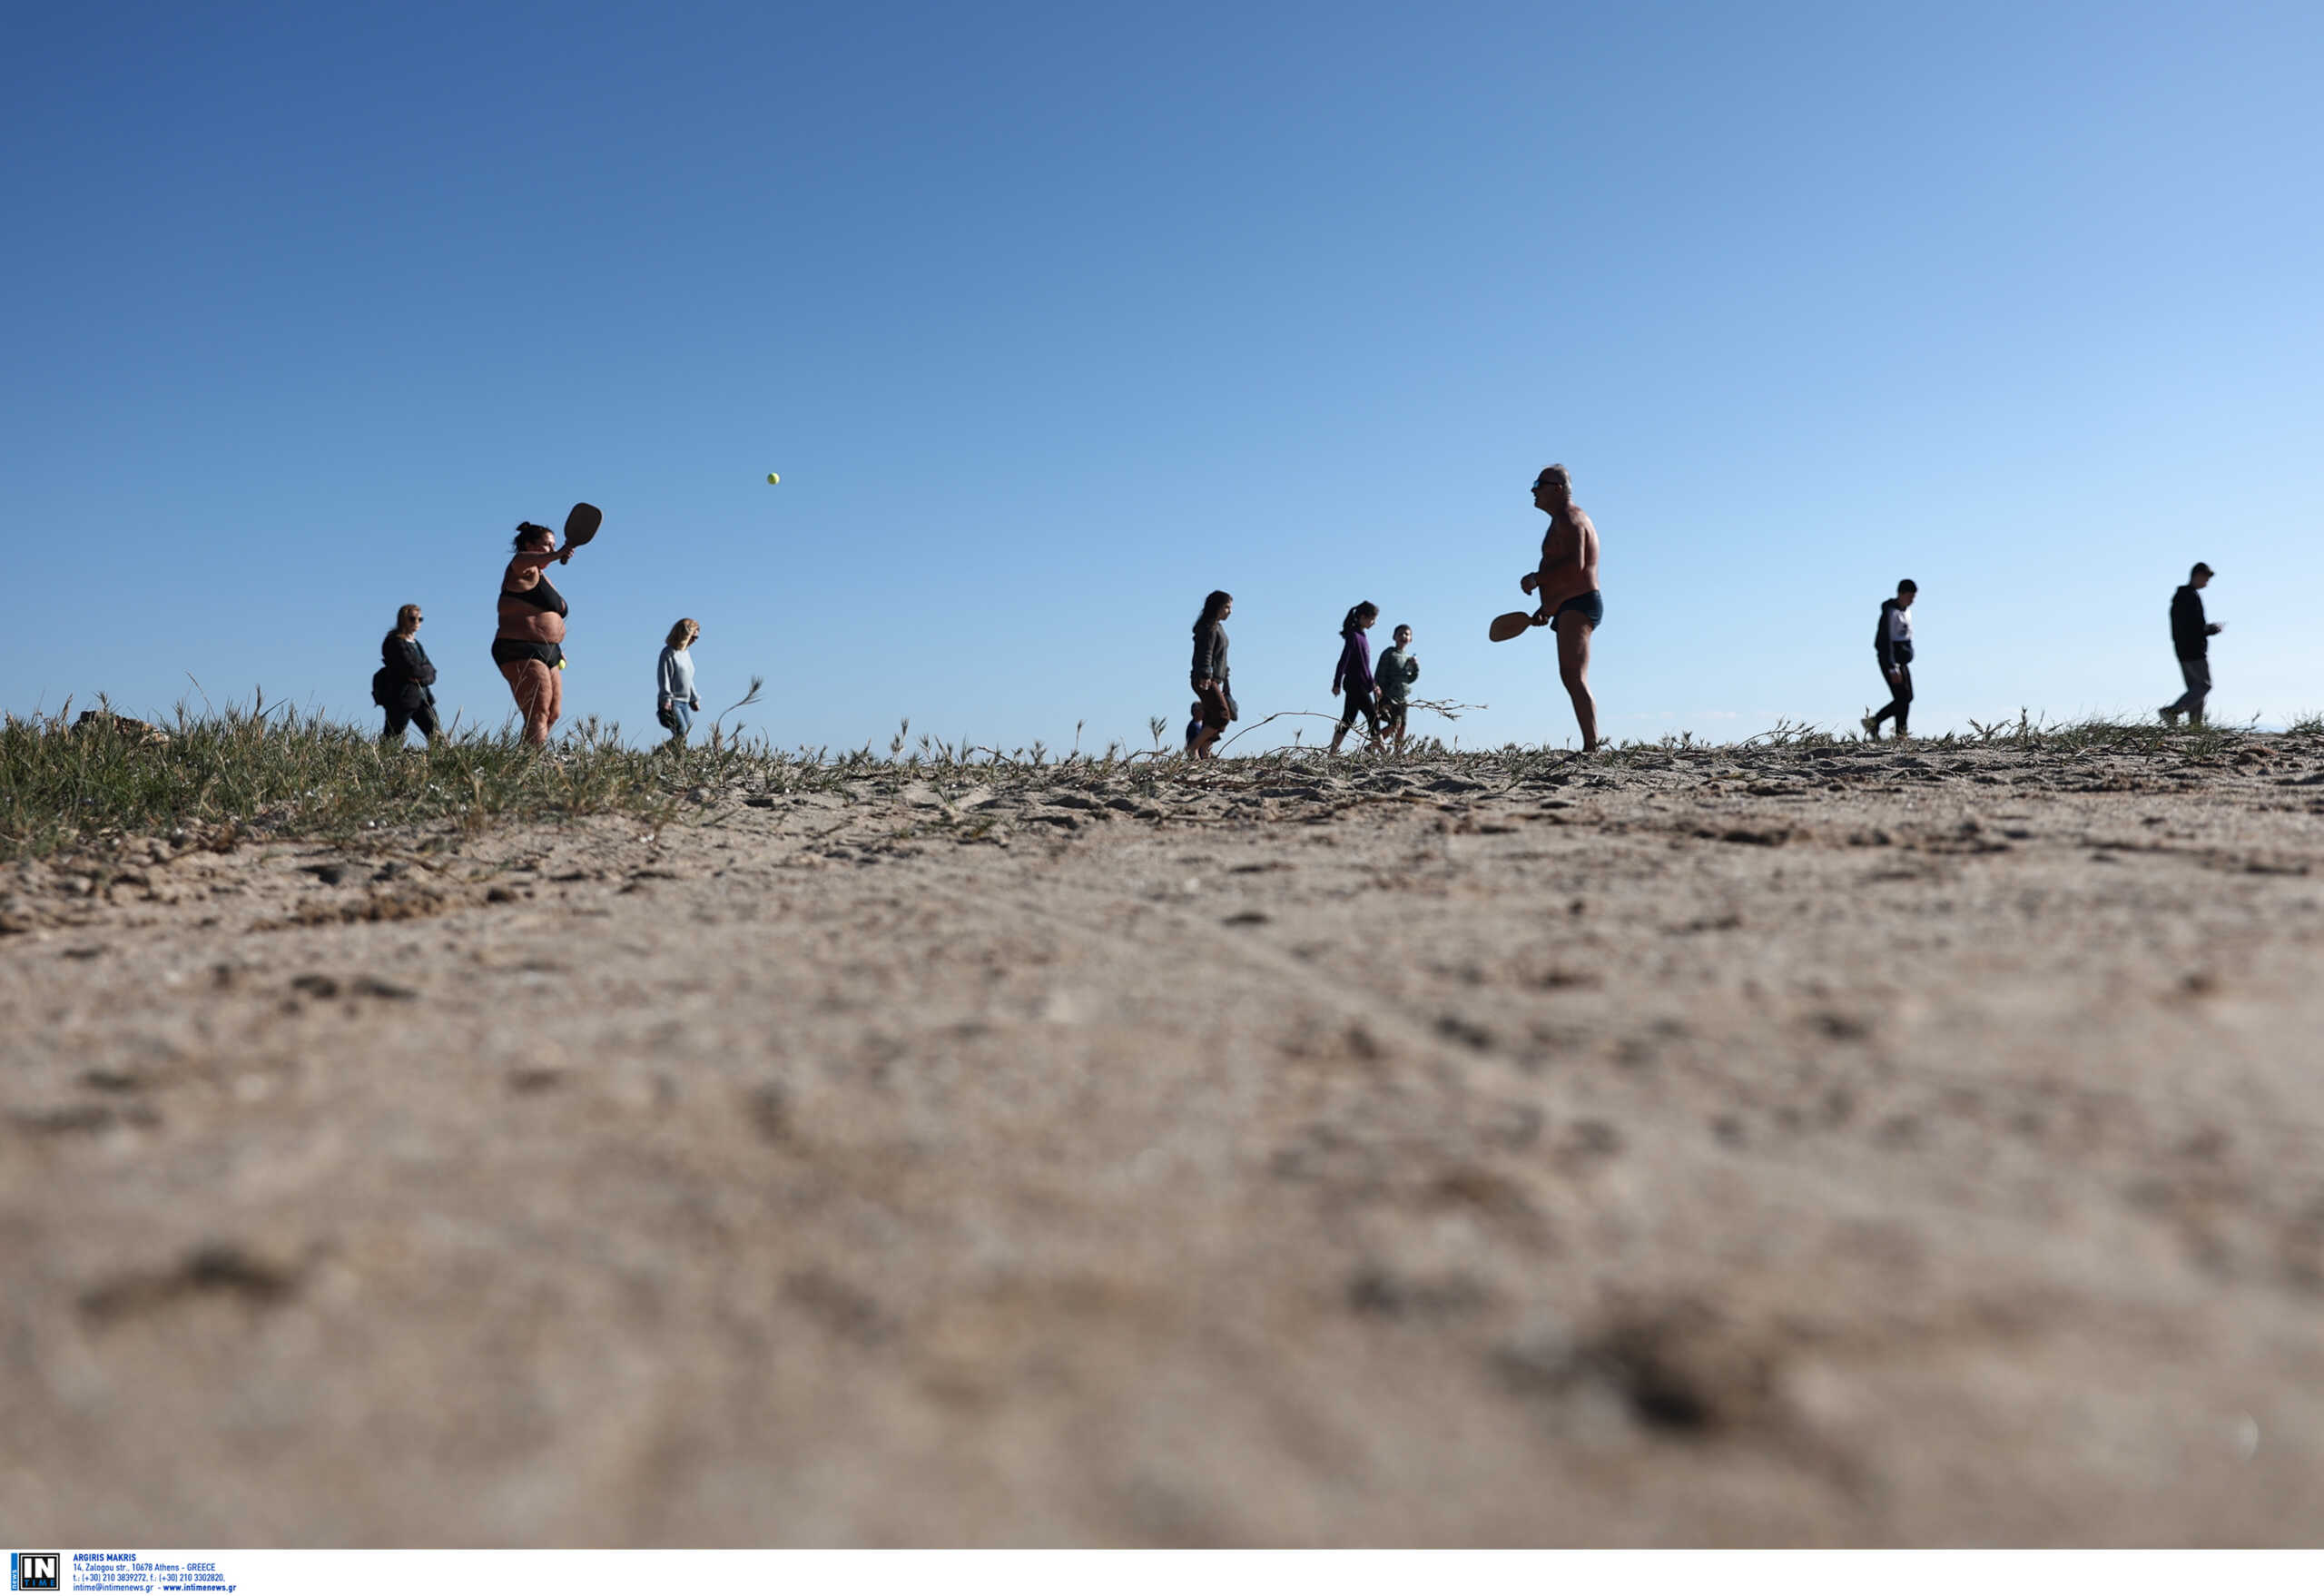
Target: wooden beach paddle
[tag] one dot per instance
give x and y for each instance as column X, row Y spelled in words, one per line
column 1505, row 627
column 581, row 524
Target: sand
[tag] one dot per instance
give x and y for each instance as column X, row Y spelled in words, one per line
column 1853, row 1145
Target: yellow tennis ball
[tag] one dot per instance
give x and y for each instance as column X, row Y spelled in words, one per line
column 773, row 479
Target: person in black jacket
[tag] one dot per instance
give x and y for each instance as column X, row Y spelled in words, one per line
column 1209, row 674
column 1352, row 677
column 1892, row 641
column 2191, row 640
column 404, row 685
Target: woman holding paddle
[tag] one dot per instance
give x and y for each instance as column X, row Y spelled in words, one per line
column 529, row 647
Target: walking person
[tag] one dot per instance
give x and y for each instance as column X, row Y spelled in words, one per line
column 675, row 701
column 529, row 647
column 1566, row 587
column 1394, row 675
column 1892, row 641
column 2191, row 640
column 1352, row 677
column 1213, row 689
column 404, row 685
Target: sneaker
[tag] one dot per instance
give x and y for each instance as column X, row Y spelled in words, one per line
column 1903, row 735
column 1871, row 728
column 2170, row 716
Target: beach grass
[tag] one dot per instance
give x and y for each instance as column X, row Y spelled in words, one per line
column 220, row 774
column 217, row 776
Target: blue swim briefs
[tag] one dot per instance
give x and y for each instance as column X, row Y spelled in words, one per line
column 1592, row 605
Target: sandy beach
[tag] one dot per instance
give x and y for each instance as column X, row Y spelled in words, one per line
column 1820, row 1144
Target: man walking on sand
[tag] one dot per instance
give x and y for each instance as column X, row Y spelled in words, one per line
column 1892, row 641
column 1566, row 588
column 2191, row 640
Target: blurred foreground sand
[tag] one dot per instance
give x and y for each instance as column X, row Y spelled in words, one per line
column 1856, row 1144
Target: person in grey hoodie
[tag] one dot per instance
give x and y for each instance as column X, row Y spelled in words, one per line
column 675, row 699
column 1395, row 672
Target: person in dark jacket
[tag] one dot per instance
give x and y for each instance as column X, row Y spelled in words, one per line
column 2191, row 640
column 405, row 686
column 1352, row 677
column 1892, row 642
column 1209, row 678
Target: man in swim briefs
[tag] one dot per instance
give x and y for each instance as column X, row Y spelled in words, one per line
column 1566, row 588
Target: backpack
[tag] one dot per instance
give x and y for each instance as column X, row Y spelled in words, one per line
column 382, row 684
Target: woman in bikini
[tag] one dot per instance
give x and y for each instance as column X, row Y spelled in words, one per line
column 529, row 648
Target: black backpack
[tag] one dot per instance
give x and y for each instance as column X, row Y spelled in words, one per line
column 382, row 684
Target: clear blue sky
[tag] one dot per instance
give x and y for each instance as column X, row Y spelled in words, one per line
column 1054, row 317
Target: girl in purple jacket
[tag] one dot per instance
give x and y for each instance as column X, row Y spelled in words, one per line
column 1352, row 679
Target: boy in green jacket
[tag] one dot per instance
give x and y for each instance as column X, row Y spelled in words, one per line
column 1396, row 671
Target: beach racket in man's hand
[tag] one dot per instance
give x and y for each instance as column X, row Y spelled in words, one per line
column 1506, row 626
column 581, row 524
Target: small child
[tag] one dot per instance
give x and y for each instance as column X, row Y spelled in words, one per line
column 1396, row 672
column 1194, row 725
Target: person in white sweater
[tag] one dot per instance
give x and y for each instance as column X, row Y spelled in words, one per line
column 675, row 699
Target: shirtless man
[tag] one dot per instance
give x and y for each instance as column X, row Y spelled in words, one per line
column 1566, row 588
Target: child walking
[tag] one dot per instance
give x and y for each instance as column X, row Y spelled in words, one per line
column 1397, row 672
column 1352, row 677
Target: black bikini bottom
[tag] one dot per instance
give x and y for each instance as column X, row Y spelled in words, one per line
column 509, row 650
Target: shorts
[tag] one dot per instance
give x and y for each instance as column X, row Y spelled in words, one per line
column 1392, row 715
column 1591, row 605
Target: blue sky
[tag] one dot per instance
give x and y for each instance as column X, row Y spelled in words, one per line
column 1054, row 317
